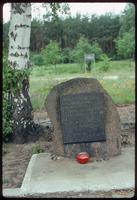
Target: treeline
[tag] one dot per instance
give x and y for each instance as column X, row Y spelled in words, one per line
column 113, row 33
column 67, row 32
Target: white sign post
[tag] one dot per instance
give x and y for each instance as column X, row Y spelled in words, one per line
column 89, row 58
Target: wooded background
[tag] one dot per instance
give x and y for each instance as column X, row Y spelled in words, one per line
column 113, row 33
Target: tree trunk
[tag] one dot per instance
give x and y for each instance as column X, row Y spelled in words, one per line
column 19, row 43
column 22, row 116
column 19, row 35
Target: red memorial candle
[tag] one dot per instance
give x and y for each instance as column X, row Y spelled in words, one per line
column 82, row 157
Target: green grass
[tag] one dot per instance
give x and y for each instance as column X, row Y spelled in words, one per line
column 119, row 67
column 122, row 91
column 71, row 68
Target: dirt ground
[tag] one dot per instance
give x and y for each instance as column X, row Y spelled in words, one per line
column 16, row 157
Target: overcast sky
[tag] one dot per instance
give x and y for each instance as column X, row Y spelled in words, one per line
column 82, row 8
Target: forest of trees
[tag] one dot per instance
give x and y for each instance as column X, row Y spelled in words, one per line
column 114, row 34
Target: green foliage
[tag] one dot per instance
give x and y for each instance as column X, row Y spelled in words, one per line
column 106, row 29
column 103, row 29
column 126, row 45
column 66, row 55
column 105, row 65
column 37, row 59
column 37, row 149
column 96, row 49
column 82, row 47
column 52, row 53
column 67, row 31
column 37, row 36
column 12, row 83
column 127, row 19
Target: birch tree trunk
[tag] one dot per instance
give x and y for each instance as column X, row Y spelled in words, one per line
column 19, row 43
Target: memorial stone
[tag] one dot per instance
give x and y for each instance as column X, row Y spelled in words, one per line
column 84, row 119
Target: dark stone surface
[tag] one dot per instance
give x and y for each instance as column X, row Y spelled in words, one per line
column 82, row 117
column 98, row 149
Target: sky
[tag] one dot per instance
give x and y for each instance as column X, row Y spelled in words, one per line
column 82, row 8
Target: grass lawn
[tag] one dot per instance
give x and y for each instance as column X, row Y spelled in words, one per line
column 122, row 90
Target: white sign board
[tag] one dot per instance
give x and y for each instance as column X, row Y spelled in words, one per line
column 90, row 57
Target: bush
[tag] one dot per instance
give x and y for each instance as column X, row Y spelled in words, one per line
column 52, row 53
column 125, row 45
column 96, row 49
column 105, row 65
column 66, row 54
column 82, row 47
column 37, row 59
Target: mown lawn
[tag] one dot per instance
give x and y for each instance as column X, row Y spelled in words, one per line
column 122, row 90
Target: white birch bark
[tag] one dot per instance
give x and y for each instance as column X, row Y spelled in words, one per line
column 19, row 43
column 19, row 35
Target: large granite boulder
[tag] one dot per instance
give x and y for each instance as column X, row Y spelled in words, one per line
column 104, row 145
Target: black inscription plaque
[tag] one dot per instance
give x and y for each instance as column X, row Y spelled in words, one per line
column 82, row 117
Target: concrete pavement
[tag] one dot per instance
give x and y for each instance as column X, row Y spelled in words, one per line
column 44, row 175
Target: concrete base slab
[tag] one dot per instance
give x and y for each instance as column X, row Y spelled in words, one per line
column 64, row 175
column 10, row 192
